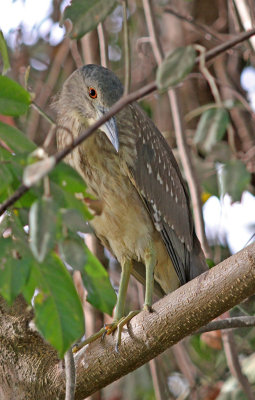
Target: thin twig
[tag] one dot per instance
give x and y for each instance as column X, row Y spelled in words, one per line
column 185, row 365
column 229, row 44
column 126, row 49
column 155, row 379
column 102, row 44
column 49, row 137
column 238, row 95
column 43, row 113
column 45, row 93
column 158, row 386
column 208, row 76
column 234, row 364
column 75, row 53
column 244, row 17
column 70, row 375
column 209, row 31
column 228, row 323
column 155, row 43
column 22, row 189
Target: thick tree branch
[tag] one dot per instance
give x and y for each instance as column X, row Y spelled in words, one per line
column 177, row 315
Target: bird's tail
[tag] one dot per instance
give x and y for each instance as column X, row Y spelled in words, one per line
column 198, row 263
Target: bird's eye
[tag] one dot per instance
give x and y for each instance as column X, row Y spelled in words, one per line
column 92, row 93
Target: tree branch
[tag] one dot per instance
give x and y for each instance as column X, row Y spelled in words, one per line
column 228, row 323
column 127, row 58
column 177, row 315
column 70, row 375
column 234, row 364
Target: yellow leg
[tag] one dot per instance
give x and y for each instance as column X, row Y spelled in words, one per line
column 150, row 263
column 119, row 319
column 121, row 300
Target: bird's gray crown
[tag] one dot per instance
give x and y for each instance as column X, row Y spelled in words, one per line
column 105, row 81
column 75, row 92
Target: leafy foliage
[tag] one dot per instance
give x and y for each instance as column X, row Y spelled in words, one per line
column 100, row 292
column 4, row 53
column 211, row 128
column 42, row 223
column 58, row 310
column 175, row 67
column 235, row 179
column 15, row 139
column 15, row 265
column 86, row 15
column 14, row 100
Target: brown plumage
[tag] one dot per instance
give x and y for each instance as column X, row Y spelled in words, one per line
column 127, row 164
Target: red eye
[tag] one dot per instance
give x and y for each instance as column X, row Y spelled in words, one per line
column 92, row 93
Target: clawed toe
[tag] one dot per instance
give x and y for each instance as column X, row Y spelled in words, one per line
column 108, row 329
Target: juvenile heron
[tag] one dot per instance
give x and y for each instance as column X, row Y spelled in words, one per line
column 146, row 221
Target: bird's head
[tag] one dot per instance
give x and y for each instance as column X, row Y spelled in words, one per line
column 89, row 92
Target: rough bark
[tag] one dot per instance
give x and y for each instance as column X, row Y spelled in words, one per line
column 29, row 368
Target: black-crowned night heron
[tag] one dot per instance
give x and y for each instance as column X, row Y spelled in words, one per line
column 127, row 164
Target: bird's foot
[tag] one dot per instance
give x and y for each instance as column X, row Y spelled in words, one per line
column 118, row 325
column 90, row 339
column 107, row 330
column 148, row 308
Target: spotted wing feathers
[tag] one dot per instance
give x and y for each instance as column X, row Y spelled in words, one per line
column 159, row 181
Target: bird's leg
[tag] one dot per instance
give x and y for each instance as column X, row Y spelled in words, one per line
column 150, row 261
column 119, row 319
column 124, row 279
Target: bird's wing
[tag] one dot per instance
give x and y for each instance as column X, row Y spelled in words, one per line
column 157, row 177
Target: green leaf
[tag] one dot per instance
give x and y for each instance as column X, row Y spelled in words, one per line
column 101, row 295
column 14, row 223
column 175, row 67
column 4, row 53
column 210, row 184
column 211, row 128
column 96, row 280
column 15, row 164
column 14, row 99
column 72, row 252
column 70, row 189
column 28, row 290
column 58, row 310
column 15, row 264
column 75, row 221
column 68, row 179
column 42, row 223
column 86, row 15
column 5, row 177
column 15, row 139
column 235, row 179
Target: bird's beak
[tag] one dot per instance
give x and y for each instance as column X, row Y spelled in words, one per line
column 109, row 128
